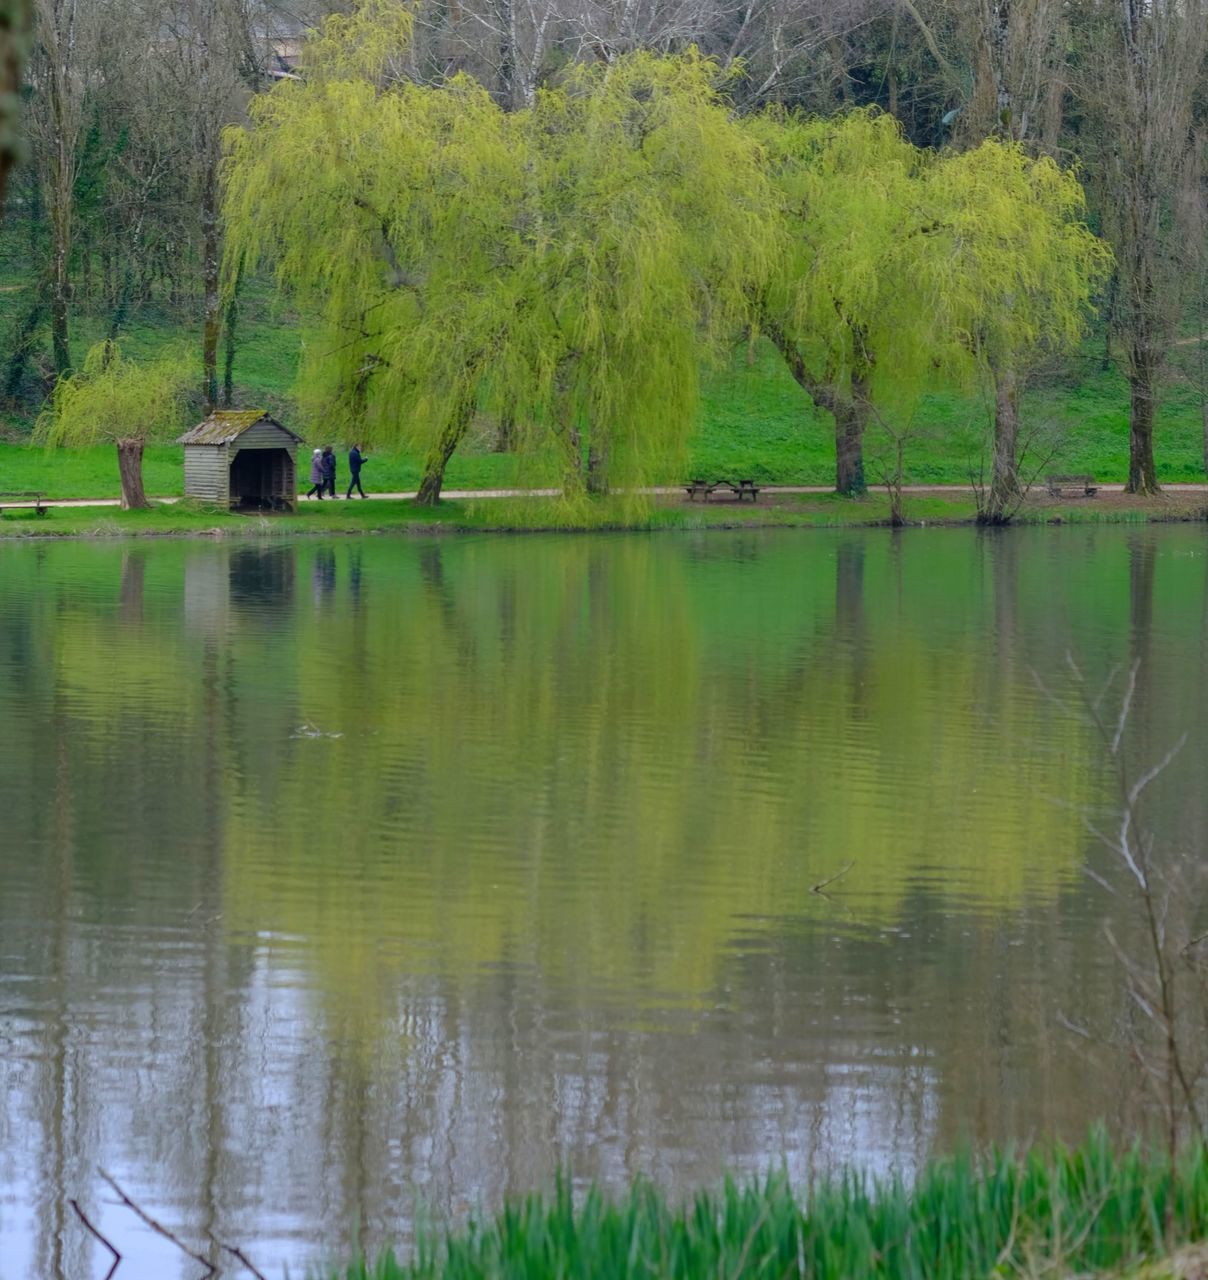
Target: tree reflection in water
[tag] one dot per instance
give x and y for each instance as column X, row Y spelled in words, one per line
column 540, row 891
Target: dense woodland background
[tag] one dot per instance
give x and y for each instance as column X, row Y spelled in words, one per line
column 113, row 204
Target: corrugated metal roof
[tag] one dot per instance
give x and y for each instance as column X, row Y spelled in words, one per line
column 225, row 426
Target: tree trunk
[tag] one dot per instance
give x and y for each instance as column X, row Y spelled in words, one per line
column 228, row 353
column 130, row 468
column 60, row 201
column 1109, row 319
column 441, row 452
column 1201, row 379
column 507, row 57
column 121, row 306
column 850, row 413
column 597, row 467
column 851, row 417
column 505, row 439
column 1004, row 479
column 212, row 321
column 1204, row 429
column 1142, row 472
column 22, row 348
column 60, row 297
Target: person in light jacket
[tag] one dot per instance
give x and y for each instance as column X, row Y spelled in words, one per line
column 316, row 475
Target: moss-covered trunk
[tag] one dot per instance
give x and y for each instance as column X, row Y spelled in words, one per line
column 851, row 420
column 211, row 261
column 1142, row 387
column 440, row 453
column 597, row 466
column 1004, row 477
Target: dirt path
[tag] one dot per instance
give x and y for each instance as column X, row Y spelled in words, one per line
column 772, row 491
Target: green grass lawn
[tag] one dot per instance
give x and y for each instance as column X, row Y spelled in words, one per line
column 537, row 515
column 754, row 420
column 514, row 515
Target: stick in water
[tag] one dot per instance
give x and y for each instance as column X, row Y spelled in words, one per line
column 831, row 879
column 240, row 1255
column 117, row 1257
column 158, row 1227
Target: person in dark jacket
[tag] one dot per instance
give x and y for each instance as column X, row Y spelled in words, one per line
column 355, row 459
column 329, row 470
column 316, row 475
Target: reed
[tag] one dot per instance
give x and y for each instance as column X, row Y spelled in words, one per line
column 1091, row 1209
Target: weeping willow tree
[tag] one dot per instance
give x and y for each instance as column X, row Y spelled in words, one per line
column 126, row 402
column 564, row 268
column 1013, row 275
column 843, row 306
column 654, row 219
column 393, row 212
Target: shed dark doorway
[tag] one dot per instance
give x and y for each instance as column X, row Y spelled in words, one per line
column 262, row 479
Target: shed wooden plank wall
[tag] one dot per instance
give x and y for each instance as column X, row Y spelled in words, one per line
column 263, row 436
column 207, row 472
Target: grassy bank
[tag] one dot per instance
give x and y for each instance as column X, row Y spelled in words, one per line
column 533, row 515
column 754, row 421
column 1087, row 1211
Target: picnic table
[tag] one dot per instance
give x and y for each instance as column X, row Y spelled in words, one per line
column 705, row 489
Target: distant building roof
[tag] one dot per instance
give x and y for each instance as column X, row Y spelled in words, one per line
column 225, row 426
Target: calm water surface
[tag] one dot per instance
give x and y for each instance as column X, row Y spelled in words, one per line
column 347, row 883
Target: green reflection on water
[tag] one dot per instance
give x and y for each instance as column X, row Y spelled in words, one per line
column 603, row 757
column 515, row 839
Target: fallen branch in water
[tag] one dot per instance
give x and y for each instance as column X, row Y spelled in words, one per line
column 238, row 1254
column 831, row 879
column 117, row 1257
column 158, row 1227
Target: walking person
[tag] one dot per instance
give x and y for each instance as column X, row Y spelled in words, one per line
column 317, row 477
column 355, row 460
column 329, row 469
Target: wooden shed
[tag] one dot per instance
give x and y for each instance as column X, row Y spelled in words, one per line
column 242, row 458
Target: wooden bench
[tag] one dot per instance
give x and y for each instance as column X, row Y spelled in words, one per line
column 1079, row 486
column 744, row 487
column 702, row 488
column 24, row 496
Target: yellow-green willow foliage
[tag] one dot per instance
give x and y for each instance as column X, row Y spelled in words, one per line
column 120, row 401
column 897, row 266
column 654, row 220
column 1015, row 275
column 846, row 303
column 393, row 214
column 566, row 267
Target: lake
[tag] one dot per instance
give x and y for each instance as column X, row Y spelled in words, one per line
column 350, row 885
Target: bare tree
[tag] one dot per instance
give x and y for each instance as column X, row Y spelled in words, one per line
column 210, row 52
column 1018, row 57
column 1144, row 63
column 61, row 69
column 1016, row 49
column 793, row 50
